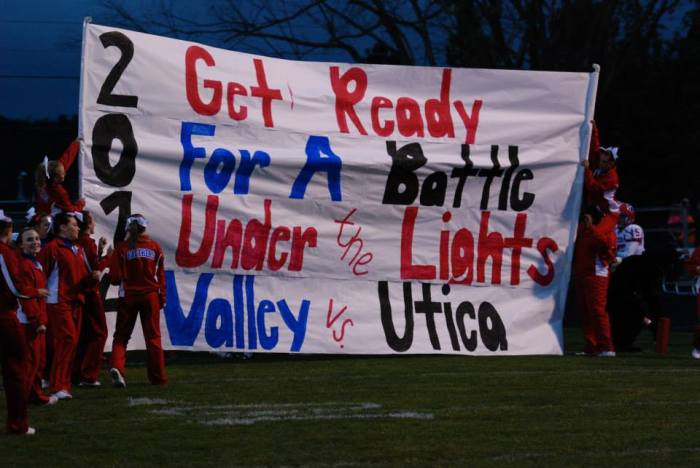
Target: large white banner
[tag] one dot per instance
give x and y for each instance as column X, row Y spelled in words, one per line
column 338, row 208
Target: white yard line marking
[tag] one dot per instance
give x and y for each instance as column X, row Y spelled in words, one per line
column 247, row 414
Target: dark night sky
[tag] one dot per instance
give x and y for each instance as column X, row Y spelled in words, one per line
column 41, row 38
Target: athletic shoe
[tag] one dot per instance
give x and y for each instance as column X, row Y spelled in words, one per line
column 696, row 353
column 45, row 384
column 117, row 378
column 62, row 395
column 90, row 383
column 51, row 401
column 30, row 431
column 606, row 354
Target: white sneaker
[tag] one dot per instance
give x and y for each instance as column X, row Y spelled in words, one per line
column 53, row 399
column 117, row 378
column 30, row 431
column 62, row 395
column 696, row 353
column 606, row 354
column 45, row 384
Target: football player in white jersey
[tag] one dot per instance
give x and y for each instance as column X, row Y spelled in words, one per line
column 630, row 236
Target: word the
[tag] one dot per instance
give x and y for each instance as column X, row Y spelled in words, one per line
column 491, row 329
column 253, row 247
column 227, row 326
column 350, row 89
column 355, row 262
column 402, row 184
column 459, row 253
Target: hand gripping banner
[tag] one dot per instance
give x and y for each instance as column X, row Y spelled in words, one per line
column 338, row 208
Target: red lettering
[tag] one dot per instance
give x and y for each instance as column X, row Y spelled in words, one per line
column 471, row 122
column 255, row 241
column 408, row 117
column 408, row 269
column 544, row 246
column 282, row 234
column 490, row 245
column 387, row 129
column 183, row 256
column 193, row 54
column 232, row 238
column 236, row 89
column 299, row 241
column 462, row 257
column 345, row 99
column 437, row 111
column 516, row 243
column 264, row 92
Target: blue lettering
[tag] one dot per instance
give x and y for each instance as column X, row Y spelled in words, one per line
column 190, row 152
column 184, row 330
column 266, row 341
column 246, row 168
column 217, row 179
column 250, row 307
column 238, row 308
column 222, row 323
column 296, row 325
column 219, row 311
column 319, row 158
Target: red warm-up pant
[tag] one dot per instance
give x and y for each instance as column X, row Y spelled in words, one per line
column 64, row 320
column 36, row 345
column 591, row 298
column 13, row 356
column 696, row 335
column 148, row 307
column 93, row 335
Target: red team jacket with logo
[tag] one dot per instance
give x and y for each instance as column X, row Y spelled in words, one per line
column 13, row 283
column 67, row 271
column 56, row 194
column 595, row 247
column 90, row 248
column 32, row 310
column 139, row 268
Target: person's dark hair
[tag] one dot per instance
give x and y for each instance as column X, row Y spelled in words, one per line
column 140, row 229
column 59, row 220
column 4, row 226
column 87, row 219
column 18, row 241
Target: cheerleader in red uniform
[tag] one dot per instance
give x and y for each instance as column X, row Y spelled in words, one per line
column 137, row 266
column 594, row 252
column 51, row 196
column 32, row 314
column 93, row 333
column 13, row 347
column 600, row 176
column 68, row 274
column 693, row 266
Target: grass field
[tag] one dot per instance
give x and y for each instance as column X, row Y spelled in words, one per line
column 639, row 409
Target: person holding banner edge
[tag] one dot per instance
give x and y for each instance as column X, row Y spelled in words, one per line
column 51, row 196
column 137, row 267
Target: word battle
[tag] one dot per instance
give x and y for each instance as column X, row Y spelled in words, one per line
column 243, row 325
column 488, row 327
